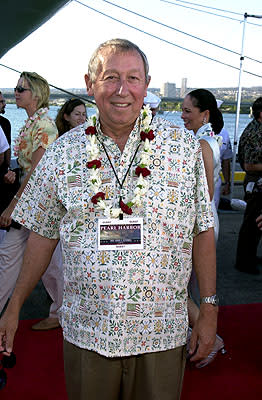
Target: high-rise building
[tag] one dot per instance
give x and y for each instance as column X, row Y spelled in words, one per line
column 183, row 87
column 168, row 89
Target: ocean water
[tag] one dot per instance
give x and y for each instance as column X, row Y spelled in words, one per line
column 17, row 117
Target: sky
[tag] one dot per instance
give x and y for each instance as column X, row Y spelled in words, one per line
column 61, row 48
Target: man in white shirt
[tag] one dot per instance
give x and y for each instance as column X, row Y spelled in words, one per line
column 130, row 204
column 3, row 145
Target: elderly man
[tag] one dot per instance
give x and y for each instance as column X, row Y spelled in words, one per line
column 131, row 207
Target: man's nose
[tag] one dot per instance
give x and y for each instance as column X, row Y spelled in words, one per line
column 122, row 89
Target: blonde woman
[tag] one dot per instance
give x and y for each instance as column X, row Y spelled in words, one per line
column 32, row 94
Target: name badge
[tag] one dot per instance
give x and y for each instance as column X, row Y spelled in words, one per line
column 115, row 234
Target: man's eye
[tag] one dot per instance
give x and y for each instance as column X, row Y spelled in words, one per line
column 110, row 78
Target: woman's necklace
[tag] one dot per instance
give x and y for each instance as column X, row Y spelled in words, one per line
column 24, row 129
column 94, row 164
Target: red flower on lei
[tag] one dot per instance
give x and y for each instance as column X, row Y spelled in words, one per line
column 90, row 130
column 97, row 197
column 147, row 135
column 94, row 164
column 142, row 170
column 125, row 208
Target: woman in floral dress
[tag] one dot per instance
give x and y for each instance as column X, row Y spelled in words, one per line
column 201, row 115
column 31, row 94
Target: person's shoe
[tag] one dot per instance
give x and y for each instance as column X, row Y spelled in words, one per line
column 46, row 324
column 252, row 270
column 218, row 347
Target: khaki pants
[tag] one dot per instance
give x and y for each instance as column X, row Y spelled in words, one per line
column 150, row 376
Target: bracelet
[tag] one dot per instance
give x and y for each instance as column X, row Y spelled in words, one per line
column 16, row 197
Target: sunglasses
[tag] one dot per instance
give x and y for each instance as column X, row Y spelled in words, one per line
column 6, row 362
column 20, row 89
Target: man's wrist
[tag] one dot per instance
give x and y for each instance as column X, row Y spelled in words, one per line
column 213, row 300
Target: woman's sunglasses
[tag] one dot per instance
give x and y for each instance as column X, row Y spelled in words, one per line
column 20, row 89
column 6, row 362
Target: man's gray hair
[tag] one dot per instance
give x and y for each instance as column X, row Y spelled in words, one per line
column 115, row 45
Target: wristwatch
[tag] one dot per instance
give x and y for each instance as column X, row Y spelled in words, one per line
column 214, row 300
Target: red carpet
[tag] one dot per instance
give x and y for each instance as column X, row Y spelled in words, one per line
column 237, row 375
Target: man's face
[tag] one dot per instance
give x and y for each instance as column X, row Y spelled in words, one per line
column 2, row 104
column 119, row 89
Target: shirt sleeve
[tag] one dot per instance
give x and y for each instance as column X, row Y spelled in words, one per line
column 3, row 141
column 204, row 216
column 44, row 133
column 39, row 209
column 227, row 153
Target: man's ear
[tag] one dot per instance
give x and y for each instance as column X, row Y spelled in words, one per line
column 89, row 85
column 147, row 84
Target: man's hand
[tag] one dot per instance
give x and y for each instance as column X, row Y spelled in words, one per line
column 8, row 327
column 259, row 222
column 203, row 333
column 5, row 218
column 9, row 177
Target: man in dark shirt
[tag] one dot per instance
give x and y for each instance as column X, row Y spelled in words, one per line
column 6, row 126
column 9, row 181
column 250, row 159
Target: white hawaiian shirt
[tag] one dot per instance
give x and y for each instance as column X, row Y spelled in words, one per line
column 122, row 302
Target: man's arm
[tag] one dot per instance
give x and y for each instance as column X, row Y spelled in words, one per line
column 253, row 167
column 225, row 164
column 204, row 261
column 5, row 218
column 37, row 257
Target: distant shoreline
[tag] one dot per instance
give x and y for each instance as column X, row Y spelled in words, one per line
column 165, row 106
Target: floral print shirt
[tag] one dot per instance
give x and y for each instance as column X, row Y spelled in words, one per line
column 250, row 147
column 122, row 302
column 39, row 131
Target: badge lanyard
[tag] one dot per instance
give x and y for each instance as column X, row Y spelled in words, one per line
column 118, row 181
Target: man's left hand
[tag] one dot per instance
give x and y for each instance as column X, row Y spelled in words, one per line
column 203, row 333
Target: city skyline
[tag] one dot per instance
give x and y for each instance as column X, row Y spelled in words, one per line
column 61, row 48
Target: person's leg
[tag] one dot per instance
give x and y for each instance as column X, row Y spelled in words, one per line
column 249, row 236
column 53, row 281
column 153, row 376
column 11, row 259
column 90, row 376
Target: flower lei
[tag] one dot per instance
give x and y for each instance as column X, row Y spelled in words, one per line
column 206, row 130
column 24, row 129
column 94, row 164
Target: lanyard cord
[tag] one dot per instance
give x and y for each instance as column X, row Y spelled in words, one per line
column 118, row 181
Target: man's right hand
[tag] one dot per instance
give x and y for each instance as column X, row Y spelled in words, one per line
column 9, row 177
column 259, row 222
column 8, row 328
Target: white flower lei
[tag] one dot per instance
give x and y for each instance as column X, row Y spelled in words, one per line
column 142, row 184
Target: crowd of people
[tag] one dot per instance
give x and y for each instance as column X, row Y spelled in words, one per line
column 117, row 213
